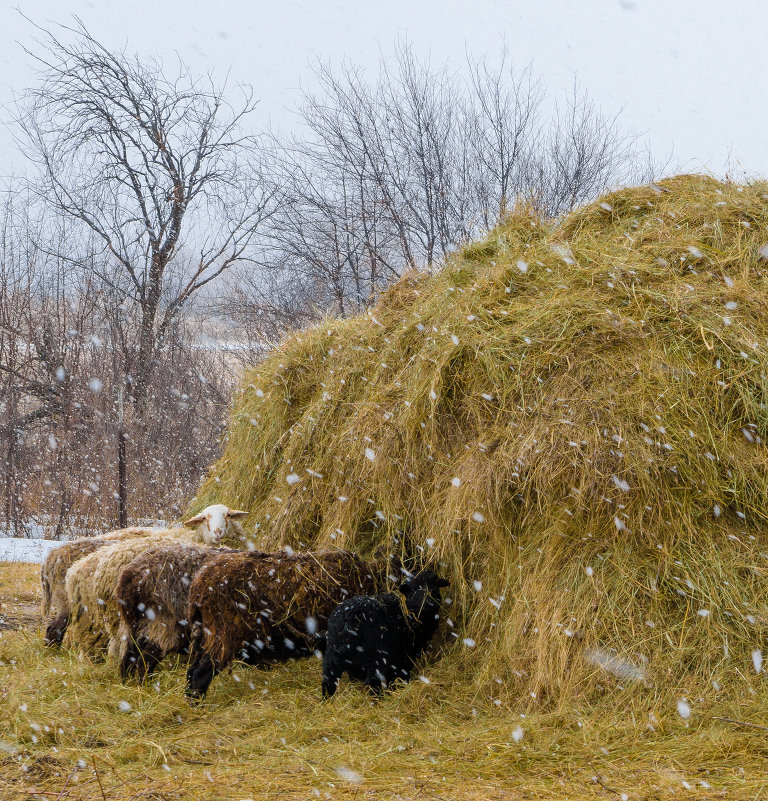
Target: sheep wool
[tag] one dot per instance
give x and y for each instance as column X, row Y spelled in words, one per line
column 54, row 570
column 267, row 607
column 375, row 640
column 152, row 597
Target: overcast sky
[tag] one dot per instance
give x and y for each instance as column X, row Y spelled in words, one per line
column 688, row 75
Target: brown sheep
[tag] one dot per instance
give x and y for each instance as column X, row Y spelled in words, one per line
column 267, row 607
column 152, row 596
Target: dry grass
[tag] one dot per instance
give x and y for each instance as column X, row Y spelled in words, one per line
column 265, row 734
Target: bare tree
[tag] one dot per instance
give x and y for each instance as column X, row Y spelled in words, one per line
column 395, row 173
column 582, row 153
column 156, row 167
column 503, row 113
column 62, row 362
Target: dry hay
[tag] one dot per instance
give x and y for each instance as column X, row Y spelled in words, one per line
column 570, row 418
column 70, row 730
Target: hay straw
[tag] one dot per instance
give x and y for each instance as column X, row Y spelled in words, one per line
column 606, row 428
column 569, row 418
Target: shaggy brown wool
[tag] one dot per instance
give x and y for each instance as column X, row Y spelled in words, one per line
column 152, row 594
column 268, row 607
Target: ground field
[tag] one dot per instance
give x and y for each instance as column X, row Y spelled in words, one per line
column 70, row 730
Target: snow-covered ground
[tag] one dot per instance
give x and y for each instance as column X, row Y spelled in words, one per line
column 25, row 550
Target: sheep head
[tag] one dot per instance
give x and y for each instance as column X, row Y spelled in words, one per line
column 425, row 580
column 216, row 522
column 423, row 597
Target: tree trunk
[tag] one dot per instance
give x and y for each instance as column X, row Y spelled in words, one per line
column 122, row 478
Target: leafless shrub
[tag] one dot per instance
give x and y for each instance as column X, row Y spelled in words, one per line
column 394, row 173
column 63, row 360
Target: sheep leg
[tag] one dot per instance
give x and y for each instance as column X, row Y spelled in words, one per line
column 374, row 681
column 331, row 674
column 130, row 660
column 150, row 656
column 200, row 675
column 54, row 633
column 141, row 657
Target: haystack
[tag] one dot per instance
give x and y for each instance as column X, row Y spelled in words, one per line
column 570, row 419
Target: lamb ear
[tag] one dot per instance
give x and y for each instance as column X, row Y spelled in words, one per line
column 235, row 514
column 195, row 521
column 441, row 582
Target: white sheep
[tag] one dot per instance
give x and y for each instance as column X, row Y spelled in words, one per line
column 54, row 570
column 87, row 604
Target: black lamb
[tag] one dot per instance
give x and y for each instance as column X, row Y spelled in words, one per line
column 374, row 640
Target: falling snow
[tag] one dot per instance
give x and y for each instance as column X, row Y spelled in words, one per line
column 620, row 483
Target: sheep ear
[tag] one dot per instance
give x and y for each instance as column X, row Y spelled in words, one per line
column 235, row 514
column 441, row 582
column 195, row 521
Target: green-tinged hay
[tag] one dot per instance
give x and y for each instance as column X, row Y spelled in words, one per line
column 570, row 418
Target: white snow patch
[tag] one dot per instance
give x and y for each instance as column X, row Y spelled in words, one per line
column 15, row 549
column 349, row 775
column 621, row 668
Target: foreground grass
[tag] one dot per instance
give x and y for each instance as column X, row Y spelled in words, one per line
column 70, row 730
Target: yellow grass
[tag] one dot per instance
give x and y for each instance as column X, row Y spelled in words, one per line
column 265, row 734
